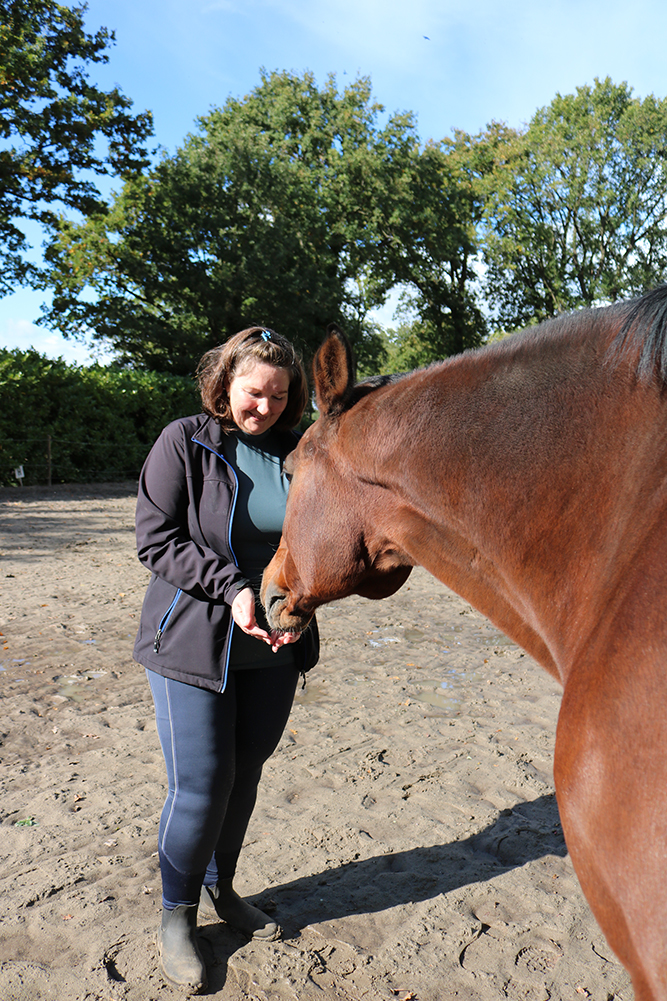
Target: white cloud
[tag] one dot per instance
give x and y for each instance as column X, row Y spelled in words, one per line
column 16, row 332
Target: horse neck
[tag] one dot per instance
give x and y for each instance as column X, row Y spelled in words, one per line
column 521, row 483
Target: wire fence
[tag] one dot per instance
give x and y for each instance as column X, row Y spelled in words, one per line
column 48, row 459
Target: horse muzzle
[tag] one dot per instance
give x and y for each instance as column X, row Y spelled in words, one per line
column 279, row 614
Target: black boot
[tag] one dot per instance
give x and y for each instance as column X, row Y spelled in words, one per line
column 238, row 913
column 180, row 958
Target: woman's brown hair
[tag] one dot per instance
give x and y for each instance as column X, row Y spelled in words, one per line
column 256, row 344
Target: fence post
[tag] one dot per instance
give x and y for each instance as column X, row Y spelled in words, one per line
column 48, row 460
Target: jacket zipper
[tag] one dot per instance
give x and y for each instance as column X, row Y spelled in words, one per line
column 223, row 683
column 165, row 621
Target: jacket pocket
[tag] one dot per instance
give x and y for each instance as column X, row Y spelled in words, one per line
column 164, row 621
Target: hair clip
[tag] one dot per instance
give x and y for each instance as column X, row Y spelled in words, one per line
column 266, row 335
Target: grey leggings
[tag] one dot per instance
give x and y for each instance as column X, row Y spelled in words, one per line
column 214, row 747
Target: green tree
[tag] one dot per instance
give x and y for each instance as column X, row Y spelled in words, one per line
column 576, row 213
column 411, row 344
column 57, row 130
column 434, row 252
column 274, row 212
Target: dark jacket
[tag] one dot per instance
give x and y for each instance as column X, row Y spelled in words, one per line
column 185, row 507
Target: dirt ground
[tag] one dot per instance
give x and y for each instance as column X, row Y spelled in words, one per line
column 406, row 834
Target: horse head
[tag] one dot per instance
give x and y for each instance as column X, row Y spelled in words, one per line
column 330, row 548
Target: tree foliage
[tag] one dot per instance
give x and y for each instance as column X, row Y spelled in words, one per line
column 57, row 130
column 576, row 212
column 292, row 207
column 436, row 241
column 298, row 205
column 248, row 223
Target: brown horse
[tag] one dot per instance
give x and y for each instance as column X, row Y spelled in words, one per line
column 531, row 477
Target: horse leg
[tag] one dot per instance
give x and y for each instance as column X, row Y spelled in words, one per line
column 611, row 786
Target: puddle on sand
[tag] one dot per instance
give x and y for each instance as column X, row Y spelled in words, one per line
column 381, row 640
column 472, row 640
column 313, row 692
column 7, row 665
column 445, row 693
column 73, row 686
column 450, row 636
column 448, row 703
column 497, row 639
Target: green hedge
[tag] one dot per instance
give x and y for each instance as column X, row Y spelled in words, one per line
column 101, row 421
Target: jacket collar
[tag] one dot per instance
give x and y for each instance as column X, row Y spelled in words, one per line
column 211, row 435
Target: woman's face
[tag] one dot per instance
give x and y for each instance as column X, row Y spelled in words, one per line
column 257, row 396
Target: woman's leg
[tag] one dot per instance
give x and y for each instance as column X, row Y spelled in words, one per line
column 197, row 731
column 264, row 698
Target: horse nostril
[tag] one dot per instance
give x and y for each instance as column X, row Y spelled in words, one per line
column 272, row 602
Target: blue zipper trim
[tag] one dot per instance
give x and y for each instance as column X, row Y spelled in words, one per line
column 223, row 684
column 164, row 622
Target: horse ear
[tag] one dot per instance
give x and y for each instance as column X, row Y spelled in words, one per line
column 333, row 373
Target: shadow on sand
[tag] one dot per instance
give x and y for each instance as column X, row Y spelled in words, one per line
column 523, row 834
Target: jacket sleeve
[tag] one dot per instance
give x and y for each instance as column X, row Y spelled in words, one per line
column 164, row 544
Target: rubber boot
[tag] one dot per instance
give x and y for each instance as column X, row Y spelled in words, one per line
column 180, row 958
column 237, row 912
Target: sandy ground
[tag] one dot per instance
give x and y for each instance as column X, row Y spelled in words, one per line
column 406, row 834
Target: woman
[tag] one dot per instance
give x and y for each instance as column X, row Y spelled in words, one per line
column 210, row 509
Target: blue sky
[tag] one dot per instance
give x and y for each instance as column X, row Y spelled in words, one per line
column 455, row 63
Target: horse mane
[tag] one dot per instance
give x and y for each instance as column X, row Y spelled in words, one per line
column 644, row 329
column 374, row 382
column 641, row 332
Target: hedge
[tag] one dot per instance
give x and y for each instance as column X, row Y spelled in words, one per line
column 98, row 423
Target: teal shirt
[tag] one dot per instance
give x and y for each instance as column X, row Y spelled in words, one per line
column 256, row 530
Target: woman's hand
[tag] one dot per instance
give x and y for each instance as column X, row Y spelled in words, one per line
column 243, row 613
